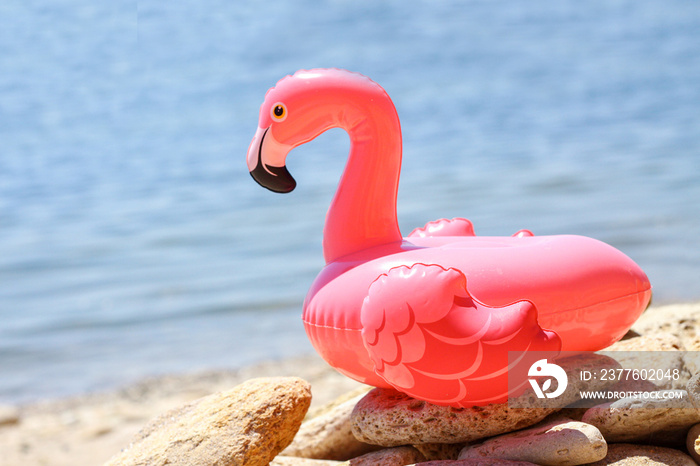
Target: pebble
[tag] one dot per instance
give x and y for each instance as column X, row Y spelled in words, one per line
column 249, row 424
column 640, row 420
column 399, row 456
column 692, row 442
column 562, row 442
column 329, row 435
column 623, row 454
column 9, row 415
column 440, row 451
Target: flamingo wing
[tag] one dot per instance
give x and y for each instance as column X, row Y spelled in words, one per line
column 428, row 338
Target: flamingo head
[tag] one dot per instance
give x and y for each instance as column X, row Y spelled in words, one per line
column 295, row 111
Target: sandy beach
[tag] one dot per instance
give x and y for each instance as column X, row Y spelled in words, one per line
column 89, row 429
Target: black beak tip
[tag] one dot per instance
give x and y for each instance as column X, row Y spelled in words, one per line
column 276, row 179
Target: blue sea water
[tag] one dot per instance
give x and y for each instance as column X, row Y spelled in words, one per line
column 133, row 242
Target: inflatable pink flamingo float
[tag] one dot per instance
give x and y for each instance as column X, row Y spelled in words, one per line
column 434, row 314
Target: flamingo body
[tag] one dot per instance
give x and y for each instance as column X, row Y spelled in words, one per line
column 434, row 314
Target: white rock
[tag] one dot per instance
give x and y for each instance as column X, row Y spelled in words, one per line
column 639, row 420
column 551, row 443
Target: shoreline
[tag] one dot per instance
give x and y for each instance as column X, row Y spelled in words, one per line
column 92, row 427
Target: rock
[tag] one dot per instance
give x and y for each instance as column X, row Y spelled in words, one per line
column 248, row 425
column 329, row 435
column 550, row 443
column 9, row 415
column 692, row 442
column 398, row 456
column 644, row 420
column 440, row 451
column 623, row 454
column 575, row 414
column 296, row 461
column 390, row 418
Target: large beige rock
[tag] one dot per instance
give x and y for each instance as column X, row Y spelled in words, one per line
column 623, row 454
column 390, row 418
column 329, row 435
column 644, row 420
column 561, row 442
column 248, row 425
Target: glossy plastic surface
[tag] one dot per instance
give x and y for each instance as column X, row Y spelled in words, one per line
column 433, row 314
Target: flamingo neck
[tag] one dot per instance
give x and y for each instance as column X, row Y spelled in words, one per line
column 363, row 212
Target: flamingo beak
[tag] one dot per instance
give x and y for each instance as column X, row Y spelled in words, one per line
column 266, row 162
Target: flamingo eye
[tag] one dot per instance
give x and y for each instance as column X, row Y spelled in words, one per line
column 278, row 112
